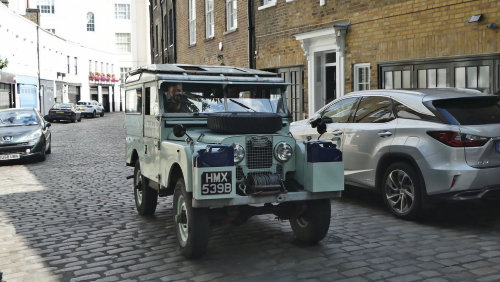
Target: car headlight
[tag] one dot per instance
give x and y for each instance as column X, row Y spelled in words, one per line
column 32, row 138
column 239, row 153
column 283, row 152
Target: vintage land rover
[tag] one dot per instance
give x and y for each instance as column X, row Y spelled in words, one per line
column 217, row 138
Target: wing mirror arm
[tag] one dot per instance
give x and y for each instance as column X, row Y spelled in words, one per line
column 315, row 120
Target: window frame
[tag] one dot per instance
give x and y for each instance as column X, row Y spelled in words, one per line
column 120, row 43
column 353, row 120
column 357, row 82
column 192, row 21
column 209, row 19
column 231, row 14
column 353, row 110
column 90, row 21
column 122, row 11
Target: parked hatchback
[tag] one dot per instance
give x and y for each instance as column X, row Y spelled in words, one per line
column 90, row 108
column 64, row 111
column 415, row 145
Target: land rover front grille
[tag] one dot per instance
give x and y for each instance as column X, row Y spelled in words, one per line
column 259, row 152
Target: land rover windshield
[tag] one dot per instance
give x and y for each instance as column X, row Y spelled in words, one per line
column 184, row 98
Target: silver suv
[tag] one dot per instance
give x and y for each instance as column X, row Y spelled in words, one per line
column 411, row 145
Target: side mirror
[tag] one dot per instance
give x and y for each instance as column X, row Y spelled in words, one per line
column 179, row 130
column 321, row 127
column 315, row 120
column 48, row 124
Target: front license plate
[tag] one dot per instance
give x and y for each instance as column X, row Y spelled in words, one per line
column 216, row 183
column 10, row 157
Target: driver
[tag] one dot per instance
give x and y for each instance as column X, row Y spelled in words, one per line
column 174, row 99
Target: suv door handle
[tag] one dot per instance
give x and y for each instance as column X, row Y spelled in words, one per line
column 384, row 133
column 337, row 132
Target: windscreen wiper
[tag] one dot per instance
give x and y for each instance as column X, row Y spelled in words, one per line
column 241, row 105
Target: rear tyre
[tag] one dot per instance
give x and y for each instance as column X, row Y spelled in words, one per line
column 192, row 225
column 80, row 119
column 102, row 113
column 94, row 114
column 312, row 225
column 146, row 198
column 402, row 191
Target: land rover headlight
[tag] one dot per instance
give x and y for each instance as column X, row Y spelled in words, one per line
column 283, row 152
column 239, row 153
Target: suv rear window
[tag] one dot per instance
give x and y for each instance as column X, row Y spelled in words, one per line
column 470, row 111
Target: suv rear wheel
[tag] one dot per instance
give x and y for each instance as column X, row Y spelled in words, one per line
column 402, row 190
column 312, row 225
column 192, row 225
column 146, row 198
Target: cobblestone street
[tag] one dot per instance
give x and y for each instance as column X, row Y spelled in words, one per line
column 73, row 218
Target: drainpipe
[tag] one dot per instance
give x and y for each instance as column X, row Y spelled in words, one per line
column 38, row 59
column 251, row 35
column 151, row 36
column 162, row 32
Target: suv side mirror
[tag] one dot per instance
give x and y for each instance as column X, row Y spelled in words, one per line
column 179, row 130
column 315, row 120
column 321, row 127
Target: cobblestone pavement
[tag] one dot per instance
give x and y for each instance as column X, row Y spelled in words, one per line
column 72, row 218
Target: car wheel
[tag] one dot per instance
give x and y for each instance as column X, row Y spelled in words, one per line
column 42, row 156
column 102, row 113
column 192, row 225
column 73, row 120
column 402, row 190
column 49, row 150
column 94, row 114
column 146, row 198
column 311, row 226
column 80, row 118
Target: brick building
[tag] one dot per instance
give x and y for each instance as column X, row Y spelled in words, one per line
column 327, row 48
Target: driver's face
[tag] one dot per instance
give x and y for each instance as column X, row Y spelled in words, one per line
column 175, row 92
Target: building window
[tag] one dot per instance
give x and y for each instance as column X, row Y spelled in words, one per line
column 264, row 4
column 361, row 77
column 209, row 18
column 192, row 22
column 123, row 42
column 122, row 11
column 46, row 6
column 76, row 65
column 90, row 65
column 90, row 22
column 171, row 27
column 67, row 61
column 231, row 15
column 123, row 74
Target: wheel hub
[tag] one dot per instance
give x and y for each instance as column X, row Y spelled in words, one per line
column 181, row 218
column 400, row 191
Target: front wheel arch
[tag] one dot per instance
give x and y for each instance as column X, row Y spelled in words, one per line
column 391, row 158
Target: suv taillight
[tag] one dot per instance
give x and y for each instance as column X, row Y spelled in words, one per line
column 455, row 139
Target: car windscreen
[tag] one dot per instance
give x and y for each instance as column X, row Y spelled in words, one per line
column 470, row 111
column 18, row 118
column 215, row 98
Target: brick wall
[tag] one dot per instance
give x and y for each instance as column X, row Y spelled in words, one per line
column 380, row 31
column 206, row 51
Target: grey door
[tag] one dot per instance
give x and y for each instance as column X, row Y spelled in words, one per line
column 367, row 138
column 295, row 92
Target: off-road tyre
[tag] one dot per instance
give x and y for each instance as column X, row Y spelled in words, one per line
column 146, row 198
column 407, row 186
column 245, row 123
column 192, row 225
column 312, row 225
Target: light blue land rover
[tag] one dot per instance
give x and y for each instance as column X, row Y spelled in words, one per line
column 217, row 138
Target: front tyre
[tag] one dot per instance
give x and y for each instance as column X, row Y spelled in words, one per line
column 402, row 191
column 146, row 198
column 311, row 226
column 192, row 225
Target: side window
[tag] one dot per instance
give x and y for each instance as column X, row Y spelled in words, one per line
column 151, row 102
column 374, row 110
column 133, row 103
column 341, row 111
column 403, row 111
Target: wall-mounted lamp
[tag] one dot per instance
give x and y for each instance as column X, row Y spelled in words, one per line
column 220, row 57
column 476, row 18
column 492, row 26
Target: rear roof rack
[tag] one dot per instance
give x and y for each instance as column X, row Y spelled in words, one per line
column 201, row 70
